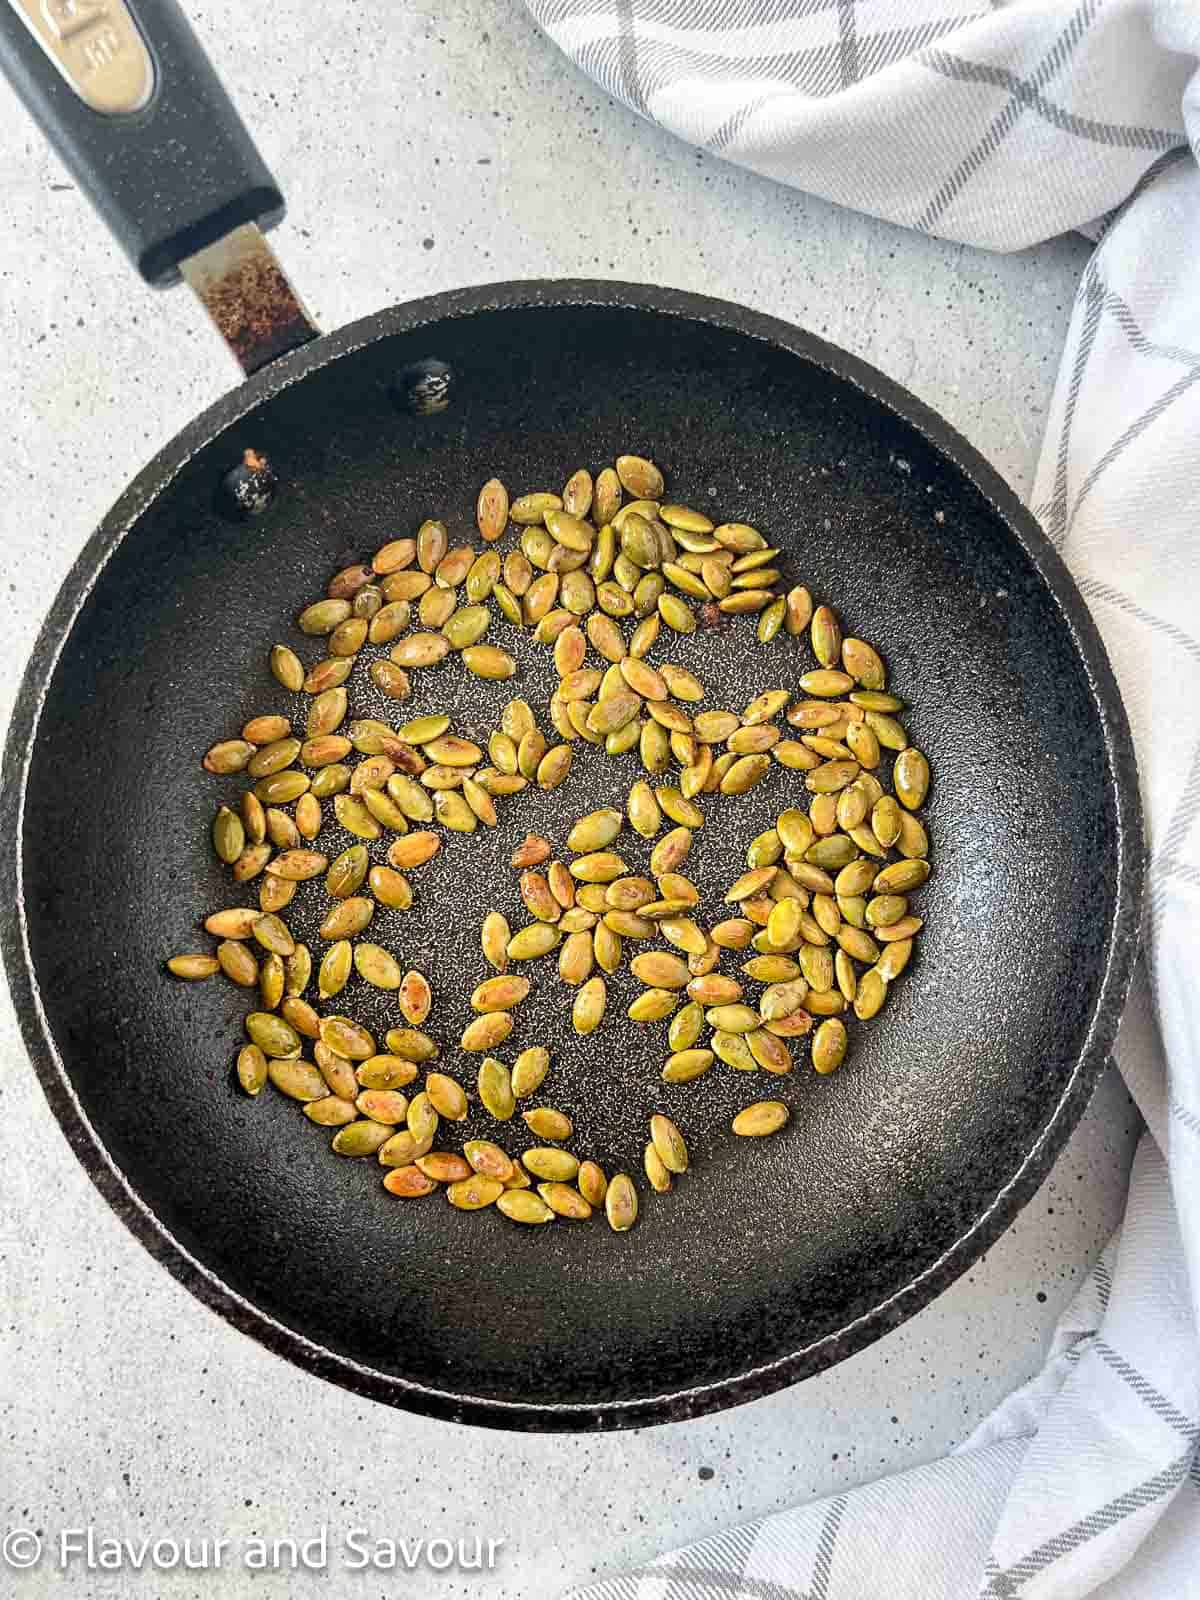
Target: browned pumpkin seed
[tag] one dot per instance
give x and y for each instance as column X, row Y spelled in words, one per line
column 486, row 1032
column 409, row 1182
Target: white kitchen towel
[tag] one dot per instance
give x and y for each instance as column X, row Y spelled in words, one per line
column 999, row 125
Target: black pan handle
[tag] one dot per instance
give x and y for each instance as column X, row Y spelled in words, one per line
column 128, row 98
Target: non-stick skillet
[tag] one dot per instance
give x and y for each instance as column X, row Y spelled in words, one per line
column 764, row 1264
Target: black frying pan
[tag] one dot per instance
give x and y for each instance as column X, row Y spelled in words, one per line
column 765, row 1264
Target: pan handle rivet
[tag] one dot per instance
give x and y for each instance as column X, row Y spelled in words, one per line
column 423, row 387
column 250, row 487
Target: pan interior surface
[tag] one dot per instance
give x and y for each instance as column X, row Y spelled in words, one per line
column 770, row 1258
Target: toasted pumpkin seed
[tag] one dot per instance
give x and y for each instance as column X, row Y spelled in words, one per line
column 299, row 1080
column 228, row 835
column 829, row 1045
column 522, row 1205
column 486, row 1032
column 252, row 1069
column 474, row 1193
column 230, row 755
column 491, row 510
column 494, row 1081
column 555, row 1166
column 588, row 1009
column 193, row 967
column 621, row 1203
column 668, row 1143
column 911, row 778
column 760, row 1119
column 408, row 1182
column 657, row 1174
column 443, row 1166
column 546, row 1123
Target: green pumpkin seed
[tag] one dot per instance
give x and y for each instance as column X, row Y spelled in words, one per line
column 334, row 971
column 252, row 1068
column 347, row 917
column 387, row 1106
column 829, row 1045
column 826, row 634
column 657, row 1174
column 591, row 999
column 447, row 1097
column 347, row 1038
column 864, row 664
column 870, row 995
column 913, row 841
column 676, row 613
column 845, row 976
column 555, row 1166
column 895, row 957
column 377, row 966
column 323, row 616
column 858, row 943
column 364, row 1138
column 826, row 683
column 231, row 755
column 273, row 1036
column 287, row 668
column 745, row 773
column 831, row 776
column 771, row 620
column 816, row 965
column 546, row 1123
column 831, row 853
column 389, row 621
column 760, row 1119
column 771, row 1053
column 228, row 835
column 885, row 821
column 640, row 477
column 299, row 1080
column 475, row 1193
column 410, row 1044
column 911, row 778
column 901, row 877
column 347, row 872
column 538, row 939
column 733, row 1018
column 529, row 1071
column 329, row 781
column 193, row 967
column 494, row 1083
column 872, row 700
column 887, row 730
column 522, row 1205
column 733, row 1050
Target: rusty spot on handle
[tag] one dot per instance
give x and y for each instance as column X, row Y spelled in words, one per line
column 246, row 292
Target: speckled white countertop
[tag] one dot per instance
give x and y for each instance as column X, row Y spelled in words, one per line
column 424, row 147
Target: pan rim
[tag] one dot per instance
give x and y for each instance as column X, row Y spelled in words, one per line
column 752, row 1383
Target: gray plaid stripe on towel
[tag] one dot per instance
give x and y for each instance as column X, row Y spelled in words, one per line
column 1000, row 125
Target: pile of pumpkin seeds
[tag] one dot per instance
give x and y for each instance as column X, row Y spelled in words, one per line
column 823, row 902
